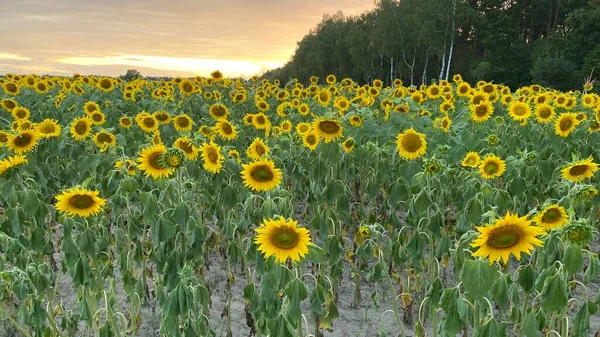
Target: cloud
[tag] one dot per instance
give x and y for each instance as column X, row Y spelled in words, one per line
column 193, row 66
column 9, row 56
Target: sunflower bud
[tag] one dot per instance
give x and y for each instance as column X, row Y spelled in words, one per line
column 173, row 158
column 579, row 231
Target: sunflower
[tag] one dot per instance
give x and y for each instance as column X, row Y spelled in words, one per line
column 130, row 166
column 303, row 109
column 11, row 162
column 580, row 170
column 519, row 111
column 212, row 157
column 11, row 88
column 445, row 123
column 310, row 140
column 125, row 122
column 481, row 112
column 8, row 104
column 216, row 75
column 356, row 121
column 551, row 217
column 411, row 144
column 3, row 138
column 80, row 128
column 492, row 167
column 261, row 121
column 262, row 105
column 324, row 97
column 97, row 117
column 149, row 162
column 79, row 201
column 218, row 111
column 235, row 155
column 189, row 149
column 327, row 128
column 226, row 130
column 41, row 87
column 183, row 122
column 348, row 145
column 186, row 87
column 283, row 239
column 147, row 122
column 471, row 159
column 302, row 128
column 20, row 113
column 49, row 128
column 104, row 139
column 248, row 119
column 342, row 104
column 286, row 126
column 565, row 124
column 257, row 149
column 106, row 84
column 261, row 175
column 511, row 234
column 544, row 113
column 156, row 138
column 162, row 117
column 24, row 141
column 463, row 89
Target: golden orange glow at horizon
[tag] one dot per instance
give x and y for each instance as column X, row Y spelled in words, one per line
column 159, row 38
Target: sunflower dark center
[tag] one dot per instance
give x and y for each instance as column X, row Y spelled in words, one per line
column 219, row 111
column 578, row 170
column 227, row 129
column 481, row 111
column 329, row 127
column 125, row 121
column 490, row 168
column 323, row 97
column 303, row 128
column 566, row 124
column 260, row 120
column 81, row 128
column 411, row 142
column 545, row 112
column 162, row 117
column 551, row 215
column 97, row 117
column 9, row 105
column 81, row 201
column 311, row 140
column 21, row 114
column 154, row 160
column 262, row 173
column 41, row 86
column 47, row 128
column 349, row 143
column 105, row 84
column 3, row 138
column 149, row 122
column 259, row 149
column 22, row 140
column 520, row 111
column 285, row 238
column 213, row 156
column 104, row 138
column 186, row 146
column 183, row 122
column 505, row 237
column 187, row 87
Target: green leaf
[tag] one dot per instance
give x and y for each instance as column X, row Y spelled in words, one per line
column 453, row 323
column 500, row 292
column 526, row 278
column 581, row 325
column 573, row 258
column 435, row 292
column 478, row 277
column 171, row 306
column 554, row 294
column 592, row 270
column 280, row 327
column 166, row 230
column 531, row 327
column 491, row 328
column 296, row 291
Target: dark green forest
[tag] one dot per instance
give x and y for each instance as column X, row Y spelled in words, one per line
column 550, row 42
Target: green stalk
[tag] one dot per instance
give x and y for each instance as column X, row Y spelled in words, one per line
column 15, row 323
column 476, row 314
column 525, row 303
column 394, row 302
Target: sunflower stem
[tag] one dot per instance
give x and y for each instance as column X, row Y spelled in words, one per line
column 395, row 301
column 475, row 314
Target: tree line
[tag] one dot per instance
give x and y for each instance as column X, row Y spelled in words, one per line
column 515, row 42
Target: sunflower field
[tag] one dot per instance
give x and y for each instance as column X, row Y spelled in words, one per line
column 210, row 206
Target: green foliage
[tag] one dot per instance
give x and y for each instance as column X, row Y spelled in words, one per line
column 556, row 72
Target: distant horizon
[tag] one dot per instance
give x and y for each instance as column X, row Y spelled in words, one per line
column 238, row 37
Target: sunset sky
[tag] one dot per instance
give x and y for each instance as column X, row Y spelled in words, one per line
column 177, row 38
